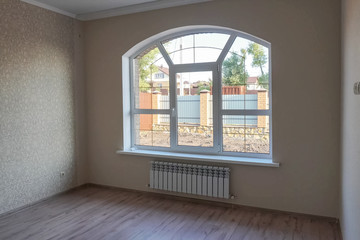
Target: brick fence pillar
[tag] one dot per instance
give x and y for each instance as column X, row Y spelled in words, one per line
column 262, row 105
column 204, row 112
column 155, row 103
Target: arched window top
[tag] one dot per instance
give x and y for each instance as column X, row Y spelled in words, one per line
column 200, row 89
column 182, row 32
column 203, row 45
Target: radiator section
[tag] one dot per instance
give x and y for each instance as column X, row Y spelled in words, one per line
column 203, row 180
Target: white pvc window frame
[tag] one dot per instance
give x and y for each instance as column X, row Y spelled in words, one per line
column 129, row 109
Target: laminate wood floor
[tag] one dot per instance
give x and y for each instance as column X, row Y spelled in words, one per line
column 94, row 212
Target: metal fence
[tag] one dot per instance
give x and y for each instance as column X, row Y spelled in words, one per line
column 189, row 109
column 240, row 102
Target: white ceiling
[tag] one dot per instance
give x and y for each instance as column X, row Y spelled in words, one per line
column 90, row 6
column 95, row 9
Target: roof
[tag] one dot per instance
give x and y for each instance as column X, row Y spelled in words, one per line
column 164, row 70
column 252, row 80
column 251, row 91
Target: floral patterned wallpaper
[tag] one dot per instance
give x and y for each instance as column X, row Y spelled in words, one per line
column 37, row 126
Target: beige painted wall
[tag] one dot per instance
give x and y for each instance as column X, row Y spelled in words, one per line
column 350, row 169
column 305, row 37
column 41, row 122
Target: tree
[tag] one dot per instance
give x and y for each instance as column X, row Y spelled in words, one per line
column 204, row 86
column 146, row 68
column 259, row 60
column 264, row 80
column 234, row 71
column 259, row 57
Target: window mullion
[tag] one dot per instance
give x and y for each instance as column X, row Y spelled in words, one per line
column 194, row 67
column 151, row 111
column 132, row 101
column 246, row 112
column 216, row 109
column 226, row 49
column 164, row 54
column 218, row 91
column 173, row 108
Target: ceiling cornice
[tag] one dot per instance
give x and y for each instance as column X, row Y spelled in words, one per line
column 143, row 7
column 48, row 7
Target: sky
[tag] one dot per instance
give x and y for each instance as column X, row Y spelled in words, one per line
column 216, row 42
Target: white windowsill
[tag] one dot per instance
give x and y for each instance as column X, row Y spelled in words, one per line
column 209, row 158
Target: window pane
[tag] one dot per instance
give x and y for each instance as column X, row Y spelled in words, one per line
column 212, row 40
column 248, row 134
column 245, row 76
column 206, row 55
column 194, row 109
column 196, row 48
column 151, row 80
column 152, row 130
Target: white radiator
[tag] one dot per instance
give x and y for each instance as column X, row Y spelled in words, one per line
column 192, row 179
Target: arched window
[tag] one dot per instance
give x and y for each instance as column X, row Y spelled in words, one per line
column 200, row 91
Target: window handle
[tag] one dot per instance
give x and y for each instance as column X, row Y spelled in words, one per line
column 173, row 112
